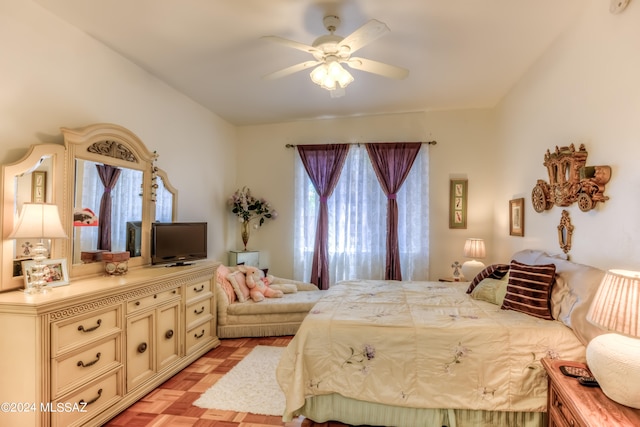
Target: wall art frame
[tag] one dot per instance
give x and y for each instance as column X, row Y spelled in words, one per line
column 458, row 191
column 38, row 187
column 56, row 272
column 516, row 217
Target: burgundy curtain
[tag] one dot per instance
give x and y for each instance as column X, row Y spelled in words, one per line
column 392, row 163
column 109, row 176
column 323, row 164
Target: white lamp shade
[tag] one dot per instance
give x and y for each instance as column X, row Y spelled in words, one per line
column 616, row 306
column 38, row 221
column 473, row 248
column 614, row 358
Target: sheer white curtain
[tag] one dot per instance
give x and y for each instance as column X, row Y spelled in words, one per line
column 357, row 221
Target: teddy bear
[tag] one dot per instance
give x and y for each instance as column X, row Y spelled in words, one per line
column 258, row 284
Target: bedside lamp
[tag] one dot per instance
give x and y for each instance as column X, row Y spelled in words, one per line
column 38, row 221
column 614, row 358
column 473, row 248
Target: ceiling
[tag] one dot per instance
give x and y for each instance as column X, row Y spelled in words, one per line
column 459, row 53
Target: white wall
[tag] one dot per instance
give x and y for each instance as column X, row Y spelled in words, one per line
column 584, row 89
column 464, row 148
column 53, row 75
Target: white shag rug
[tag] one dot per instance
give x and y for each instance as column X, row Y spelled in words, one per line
column 250, row 386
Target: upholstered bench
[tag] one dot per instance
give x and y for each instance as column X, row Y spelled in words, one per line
column 270, row 317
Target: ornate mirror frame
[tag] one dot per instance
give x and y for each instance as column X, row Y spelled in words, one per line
column 116, row 146
column 9, row 211
column 565, row 232
column 101, row 143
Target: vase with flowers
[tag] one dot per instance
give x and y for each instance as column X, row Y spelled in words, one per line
column 250, row 209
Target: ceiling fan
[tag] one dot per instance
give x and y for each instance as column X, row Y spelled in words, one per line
column 331, row 50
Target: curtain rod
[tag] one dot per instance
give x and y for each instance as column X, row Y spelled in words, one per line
column 358, row 143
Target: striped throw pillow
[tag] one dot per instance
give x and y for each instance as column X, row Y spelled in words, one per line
column 494, row 271
column 529, row 289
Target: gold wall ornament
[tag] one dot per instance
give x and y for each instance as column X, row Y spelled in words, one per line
column 565, row 231
column 570, row 180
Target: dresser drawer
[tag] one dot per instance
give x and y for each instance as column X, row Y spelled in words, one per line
column 81, row 330
column 195, row 290
column 197, row 311
column 141, row 303
column 198, row 336
column 79, row 407
column 80, row 367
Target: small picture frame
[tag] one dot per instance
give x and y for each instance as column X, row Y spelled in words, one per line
column 38, row 187
column 55, row 272
column 516, row 217
column 458, row 203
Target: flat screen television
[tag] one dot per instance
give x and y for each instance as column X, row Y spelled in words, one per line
column 178, row 243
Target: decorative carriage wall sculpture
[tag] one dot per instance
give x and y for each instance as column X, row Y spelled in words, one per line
column 570, row 181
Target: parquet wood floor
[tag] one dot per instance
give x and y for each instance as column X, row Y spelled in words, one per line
column 171, row 403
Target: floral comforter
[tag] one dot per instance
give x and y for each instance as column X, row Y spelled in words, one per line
column 421, row 344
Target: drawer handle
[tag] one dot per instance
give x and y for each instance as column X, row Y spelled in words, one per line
column 174, row 291
column 91, row 329
column 94, row 400
column 199, row 312
column 155, row 296
column 199, row 336
column 137, row 303
column 142, row 348
column 199, row 290
column 86, row 365
column 169, row 334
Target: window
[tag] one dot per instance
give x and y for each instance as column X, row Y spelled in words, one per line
column 357, row 221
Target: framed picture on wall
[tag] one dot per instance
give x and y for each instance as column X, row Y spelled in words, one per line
column 38, row 186
column 516, row 217
column 458, row 203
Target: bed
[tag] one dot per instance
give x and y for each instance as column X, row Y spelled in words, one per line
column 429, row 353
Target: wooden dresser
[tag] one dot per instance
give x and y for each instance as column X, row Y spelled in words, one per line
column 82, row 353
column 573, row 405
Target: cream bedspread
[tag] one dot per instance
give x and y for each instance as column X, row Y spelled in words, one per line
column 421, row 344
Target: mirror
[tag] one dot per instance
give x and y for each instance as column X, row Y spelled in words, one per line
column 565, row 232
column 114, row 148
column 30, row 179
column 49, row 172
column 126, row 207
column 166, row 199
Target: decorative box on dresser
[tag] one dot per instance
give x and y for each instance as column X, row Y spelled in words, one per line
column 82, row 353
column 573, row 405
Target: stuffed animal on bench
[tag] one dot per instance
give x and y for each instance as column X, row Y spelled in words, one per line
column 258, row 284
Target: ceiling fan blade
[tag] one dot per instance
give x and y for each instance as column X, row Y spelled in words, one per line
column 290, row 43
column 290, row 70
column 364, row 35
column 376, row 67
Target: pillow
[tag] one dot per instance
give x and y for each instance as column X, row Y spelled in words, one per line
column 490, row 290
column 529, row 289
column 494, row 271
column 221, row 276
column 238, row 281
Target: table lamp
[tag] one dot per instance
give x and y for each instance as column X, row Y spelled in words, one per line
column 473, row 248
column 614, row 358
column 38, row 221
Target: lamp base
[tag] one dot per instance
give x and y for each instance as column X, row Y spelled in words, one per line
column 470, row 269
column 613, row 360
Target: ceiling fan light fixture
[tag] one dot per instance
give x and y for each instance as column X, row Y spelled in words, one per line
column 331, row 75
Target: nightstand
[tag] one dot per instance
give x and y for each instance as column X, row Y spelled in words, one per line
column 571, row 404
column 244, row 257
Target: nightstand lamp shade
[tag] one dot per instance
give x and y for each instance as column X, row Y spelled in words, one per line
column 473, row 248
column 614, row 358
